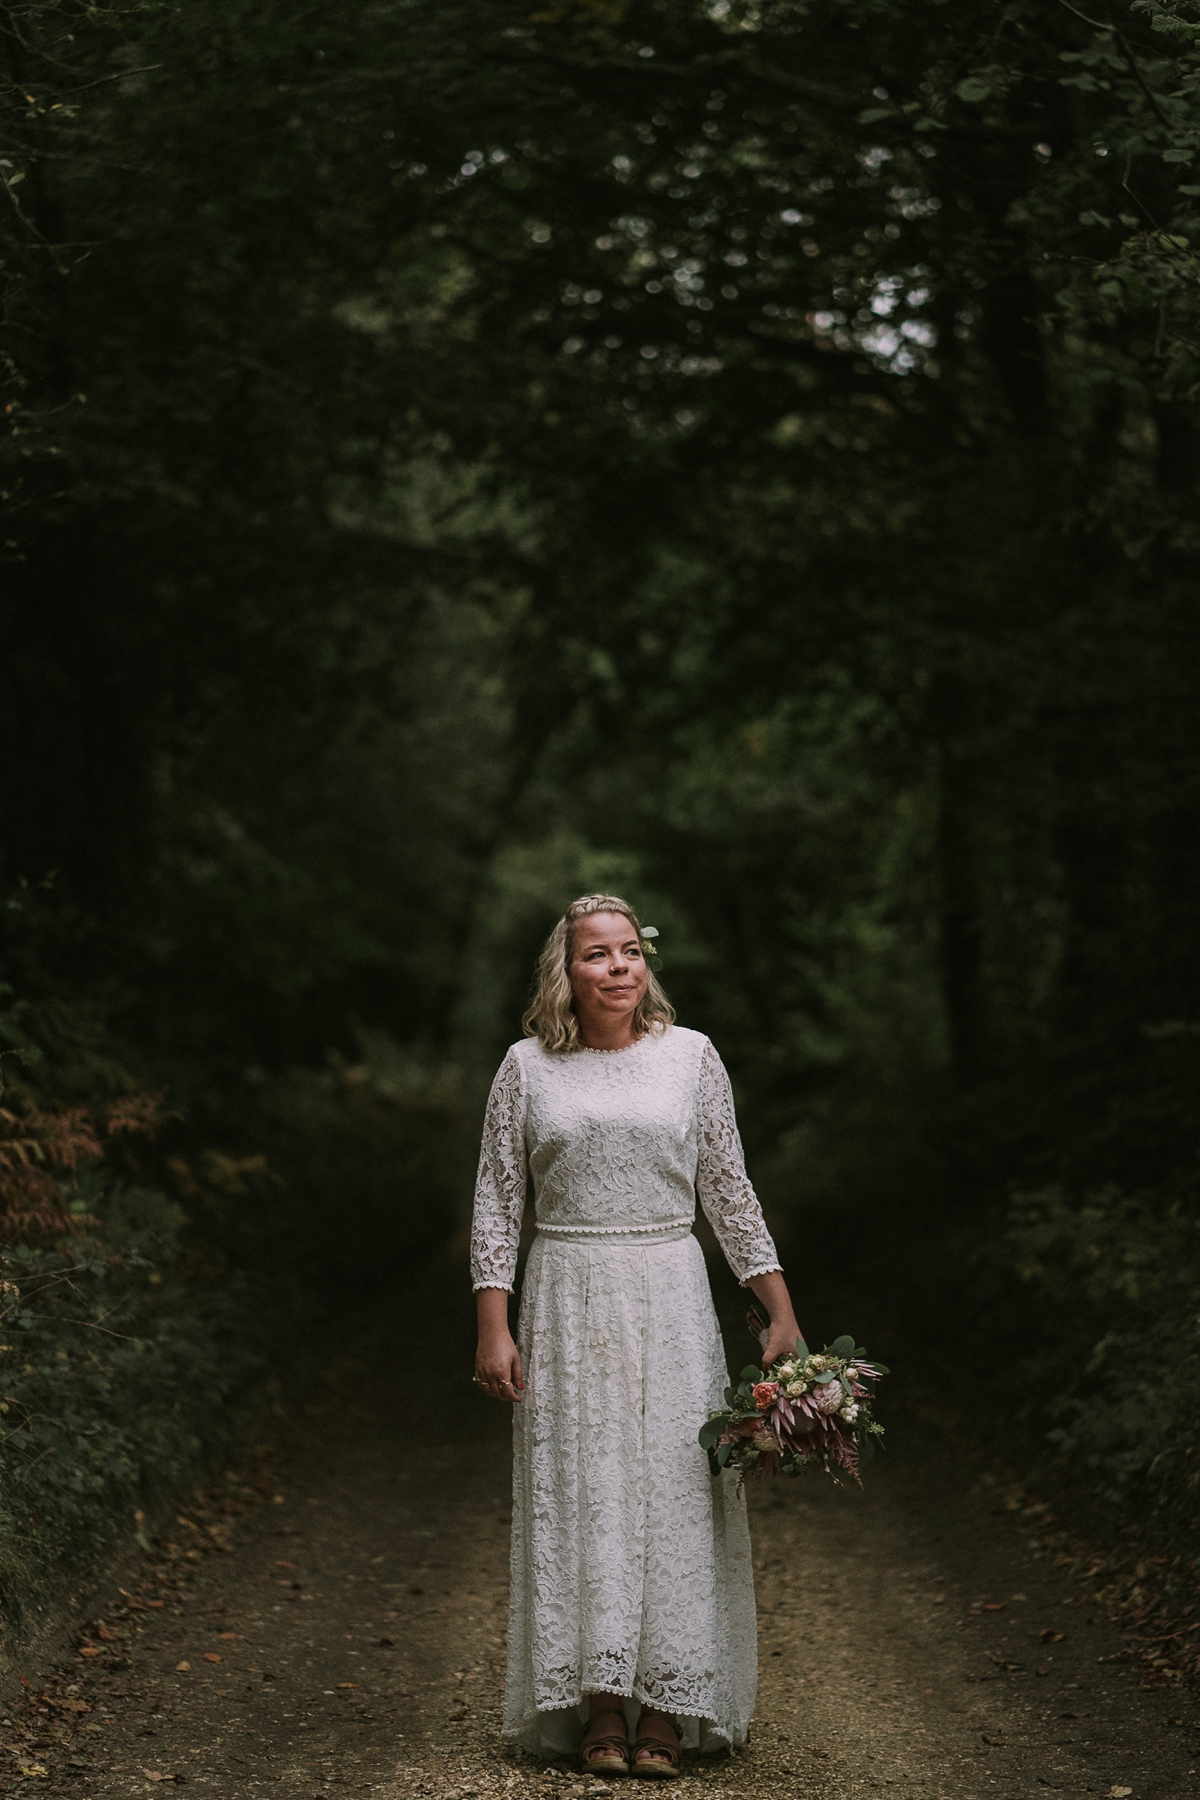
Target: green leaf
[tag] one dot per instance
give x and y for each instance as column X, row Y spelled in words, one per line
column 802, row 1350
column 751, row 1373
column 723, row 1455
column 973, row 88
column 842, row 1346
column 710, row 1433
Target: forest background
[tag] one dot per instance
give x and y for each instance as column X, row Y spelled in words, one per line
column 743, row 455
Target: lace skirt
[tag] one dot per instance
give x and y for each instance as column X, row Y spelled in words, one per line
column 631, row 1569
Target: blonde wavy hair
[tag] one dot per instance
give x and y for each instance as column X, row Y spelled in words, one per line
column 550, row 1015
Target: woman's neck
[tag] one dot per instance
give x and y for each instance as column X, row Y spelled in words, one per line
column 608, row 1033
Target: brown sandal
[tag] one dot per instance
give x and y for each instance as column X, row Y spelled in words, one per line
column 605, row 1752
column 651, row 1735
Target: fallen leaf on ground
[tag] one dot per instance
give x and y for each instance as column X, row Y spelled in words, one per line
column 227, row 1634
column 211, row 1656
column 344, row 1684
column 1053, row 1637
column 158, row 1775
column 1116, row 1793
column 994, row 1606
column 32, row 1769
column 88, row 1650
column 183, row 1668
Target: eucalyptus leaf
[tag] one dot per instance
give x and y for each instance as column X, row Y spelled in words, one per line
column 973, row 89
column 842, row 1346
column 723, row 1454
column 751, row 1373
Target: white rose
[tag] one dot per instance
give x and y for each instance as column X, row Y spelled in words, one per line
column 795, row 1389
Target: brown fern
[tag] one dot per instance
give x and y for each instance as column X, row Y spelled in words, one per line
column 39, row 1146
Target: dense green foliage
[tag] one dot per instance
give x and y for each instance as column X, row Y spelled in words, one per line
column 746, row 455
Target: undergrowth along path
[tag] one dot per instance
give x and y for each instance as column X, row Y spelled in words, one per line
column 336, row 1626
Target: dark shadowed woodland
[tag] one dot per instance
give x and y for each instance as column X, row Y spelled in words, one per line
column 740, row 455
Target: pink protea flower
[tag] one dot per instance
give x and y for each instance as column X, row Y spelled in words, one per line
column 828, row 1397
column 764, row 1394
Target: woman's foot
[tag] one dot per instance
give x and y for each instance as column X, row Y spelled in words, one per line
column 605, row 1746
column 656, row 1752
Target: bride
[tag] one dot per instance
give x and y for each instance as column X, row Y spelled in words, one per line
column 632, row 1600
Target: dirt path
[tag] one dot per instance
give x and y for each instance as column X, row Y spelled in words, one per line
column 336, row 1625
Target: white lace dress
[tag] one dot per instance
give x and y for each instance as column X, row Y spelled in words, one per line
column 630, row 1566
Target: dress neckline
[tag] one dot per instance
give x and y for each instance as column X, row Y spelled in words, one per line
column 624, row 1050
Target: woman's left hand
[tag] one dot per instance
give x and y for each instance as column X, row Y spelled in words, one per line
column 781, row 1334
column 781, row 1341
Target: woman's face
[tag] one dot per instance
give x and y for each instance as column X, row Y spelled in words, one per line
column 607, row 969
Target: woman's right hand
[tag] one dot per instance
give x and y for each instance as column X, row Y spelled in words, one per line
column 498, row 1367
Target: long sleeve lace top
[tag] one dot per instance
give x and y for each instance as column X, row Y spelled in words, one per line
column 616, row 1141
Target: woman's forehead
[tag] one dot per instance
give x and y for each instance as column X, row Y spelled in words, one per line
column 603, row 928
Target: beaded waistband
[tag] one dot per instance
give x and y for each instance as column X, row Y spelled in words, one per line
column 670, row 1232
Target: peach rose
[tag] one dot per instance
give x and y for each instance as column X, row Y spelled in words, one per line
column 764, row 1394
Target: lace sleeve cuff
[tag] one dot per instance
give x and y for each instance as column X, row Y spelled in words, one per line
column 774, row 1268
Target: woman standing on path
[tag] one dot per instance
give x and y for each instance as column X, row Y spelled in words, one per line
column 631, row 1575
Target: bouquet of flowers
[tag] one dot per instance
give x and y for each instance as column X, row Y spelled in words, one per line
column 806, row 1408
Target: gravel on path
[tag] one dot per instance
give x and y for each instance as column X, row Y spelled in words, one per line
column 331, row 1621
